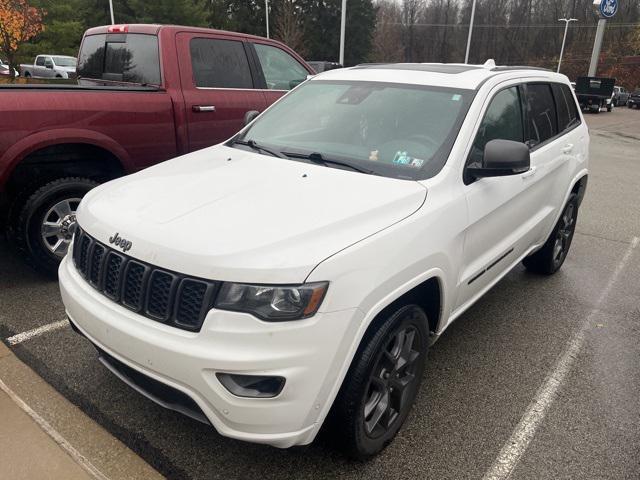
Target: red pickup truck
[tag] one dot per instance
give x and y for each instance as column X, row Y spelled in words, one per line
column 145, row 93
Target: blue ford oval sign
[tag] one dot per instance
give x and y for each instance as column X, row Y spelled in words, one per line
column 608, row 8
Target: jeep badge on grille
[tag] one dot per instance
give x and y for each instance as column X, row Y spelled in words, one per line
column 118, row 241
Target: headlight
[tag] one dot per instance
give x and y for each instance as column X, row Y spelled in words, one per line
column 272, row 302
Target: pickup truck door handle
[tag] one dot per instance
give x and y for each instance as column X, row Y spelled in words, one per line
column 203, row 108
column 529, row 173
column 568, row 148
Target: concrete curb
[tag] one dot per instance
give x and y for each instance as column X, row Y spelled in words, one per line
column 94, row 452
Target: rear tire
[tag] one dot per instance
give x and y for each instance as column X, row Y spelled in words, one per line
column 553, row 253
column 41, row 227
column 382, row 383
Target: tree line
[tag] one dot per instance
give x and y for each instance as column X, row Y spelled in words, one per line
column 509, row 31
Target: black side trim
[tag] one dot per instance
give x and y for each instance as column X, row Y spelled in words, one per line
column 491, row 265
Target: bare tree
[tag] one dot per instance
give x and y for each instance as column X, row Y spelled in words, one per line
column 387, row 38
column 288, row 27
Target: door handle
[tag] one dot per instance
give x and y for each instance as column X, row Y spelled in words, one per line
column 529, row 173
column 204, row 108
column 568, row 148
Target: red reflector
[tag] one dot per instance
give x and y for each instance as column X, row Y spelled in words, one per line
column 118, row 29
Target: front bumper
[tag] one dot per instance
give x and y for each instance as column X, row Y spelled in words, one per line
column 308, row 353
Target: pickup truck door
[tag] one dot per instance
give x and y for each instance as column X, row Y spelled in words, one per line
column 505, row 213
column 49, row 68
column 218, row 79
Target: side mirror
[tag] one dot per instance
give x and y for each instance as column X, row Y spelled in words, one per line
column 501, row 158
column 250, row 116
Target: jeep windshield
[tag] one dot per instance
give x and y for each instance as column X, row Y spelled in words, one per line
column 389, row 129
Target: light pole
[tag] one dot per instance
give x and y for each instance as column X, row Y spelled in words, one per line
column 113, row 22
column 566, row 21
column 266, row 10
column 473, row 14
column 343, row 22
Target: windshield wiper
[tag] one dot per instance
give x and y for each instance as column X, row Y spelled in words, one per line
column 259, row 148
column 318, row 158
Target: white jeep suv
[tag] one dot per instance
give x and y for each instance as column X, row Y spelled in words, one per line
column 298, row 272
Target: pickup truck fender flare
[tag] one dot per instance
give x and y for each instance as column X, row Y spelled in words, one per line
column 32, row 143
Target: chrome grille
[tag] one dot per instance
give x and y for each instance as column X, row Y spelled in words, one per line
column 168, row 297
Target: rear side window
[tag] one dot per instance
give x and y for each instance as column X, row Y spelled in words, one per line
column 281, row 70
column 131, row 57
column 574, row 117
column 565, row 106
column 502, row 120
column 220, row 64
column 40, row 61
column 543, row 122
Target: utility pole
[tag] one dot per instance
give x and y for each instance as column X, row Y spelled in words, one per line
column 113, row 22
column 606, row 9
column 343, row 22
column 266, row 10
column 473, row 14
column 566, row 21
column 597, row 45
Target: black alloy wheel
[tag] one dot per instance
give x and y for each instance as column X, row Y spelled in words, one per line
column 553, row 253
column 382, row 382
column 393, row 376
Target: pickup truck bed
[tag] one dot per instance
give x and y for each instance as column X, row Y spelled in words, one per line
column 180, row 89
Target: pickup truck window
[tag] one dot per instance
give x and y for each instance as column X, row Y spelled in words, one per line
column 281, row 70
column 123, row 58
column 543, row 120
column 48, row 62
column 40, row 61
column 502, row 120
column 65, row 61
column 220, row 64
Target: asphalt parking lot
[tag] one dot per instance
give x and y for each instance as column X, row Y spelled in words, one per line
column 485, row 387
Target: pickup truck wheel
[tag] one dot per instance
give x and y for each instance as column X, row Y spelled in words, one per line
column 43, row 226
column 551, row 256
column 382, row 383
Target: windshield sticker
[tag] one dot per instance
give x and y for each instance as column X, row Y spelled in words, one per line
column 373, row 156
column 456, row 97
column 402, row 158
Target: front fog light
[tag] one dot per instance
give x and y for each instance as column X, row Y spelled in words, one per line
column 272, row 302
column 253, row 386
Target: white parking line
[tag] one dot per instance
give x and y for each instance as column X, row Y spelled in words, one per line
column 524, row 432
column 49, row 430
column 24, row 336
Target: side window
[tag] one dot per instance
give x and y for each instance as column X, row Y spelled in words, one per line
column 543, row 122
column 565, row 105
column 48, row 62
column 281, row 70
column 220, row 64
column 502, row 120
column 574, row 117
column 562, row 107
column 40, row 61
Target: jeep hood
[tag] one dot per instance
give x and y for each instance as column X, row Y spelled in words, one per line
column 228, row 214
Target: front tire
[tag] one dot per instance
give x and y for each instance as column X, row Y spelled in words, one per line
column 41, row 227
column 552, row 255
column 382, row 383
